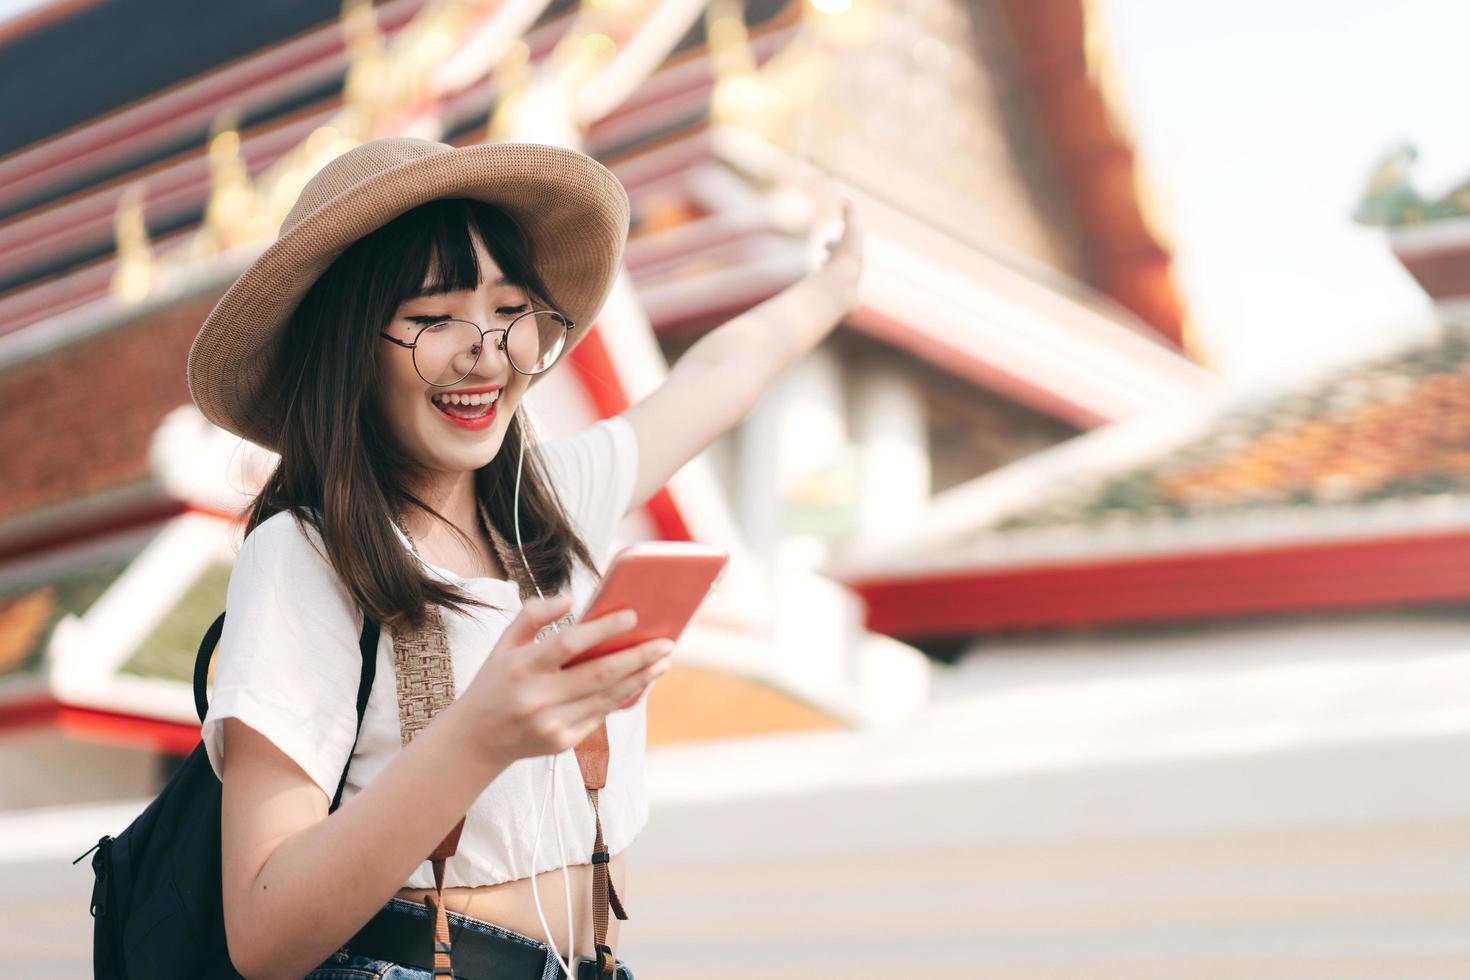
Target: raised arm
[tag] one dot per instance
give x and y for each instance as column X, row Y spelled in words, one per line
column 719, row 379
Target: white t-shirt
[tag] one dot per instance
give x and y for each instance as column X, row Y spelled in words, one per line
column 288, row 666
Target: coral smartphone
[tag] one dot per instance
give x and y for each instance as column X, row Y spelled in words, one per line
column 663, row 581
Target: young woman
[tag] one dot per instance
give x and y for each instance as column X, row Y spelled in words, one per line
column 383, row 346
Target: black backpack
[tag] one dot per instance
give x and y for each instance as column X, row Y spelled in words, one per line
column 157, row 897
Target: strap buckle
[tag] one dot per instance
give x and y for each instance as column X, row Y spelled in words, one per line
column 607, row 964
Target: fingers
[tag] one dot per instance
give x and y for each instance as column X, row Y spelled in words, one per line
column 848, row 238
column 849, row 223
column 632, row 685
column 612, row 672
column 556, row 703
column 581, row 637
column 574, row 715
column 534, row 614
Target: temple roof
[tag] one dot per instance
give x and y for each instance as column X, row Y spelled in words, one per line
column 1392, row 428
column 1348, row 492
column 128, row 50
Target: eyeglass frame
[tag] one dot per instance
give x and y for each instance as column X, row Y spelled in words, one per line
column 500, row 345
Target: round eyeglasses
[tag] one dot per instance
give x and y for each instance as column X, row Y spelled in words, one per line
column 446, row 351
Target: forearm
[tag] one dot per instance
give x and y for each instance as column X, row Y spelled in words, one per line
column 750, row 350
column 321, row 884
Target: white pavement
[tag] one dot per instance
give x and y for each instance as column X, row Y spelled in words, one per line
column 1252, row 803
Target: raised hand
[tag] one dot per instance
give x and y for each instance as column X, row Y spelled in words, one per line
column 843, row 264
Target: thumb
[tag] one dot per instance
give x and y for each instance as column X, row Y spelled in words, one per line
column 535, row 614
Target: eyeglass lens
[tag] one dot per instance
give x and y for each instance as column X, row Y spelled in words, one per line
column 446, row 352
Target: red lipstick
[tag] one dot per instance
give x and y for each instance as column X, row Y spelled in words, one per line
column 474, row 424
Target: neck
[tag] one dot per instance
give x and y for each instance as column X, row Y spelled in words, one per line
column 453, row 495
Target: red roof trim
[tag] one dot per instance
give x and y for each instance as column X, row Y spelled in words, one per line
column 592, row 363
column 667, row 517
column 99, row 725
column 1303, row 578
column 116, row 728
column 27, row 712
column 91, row 527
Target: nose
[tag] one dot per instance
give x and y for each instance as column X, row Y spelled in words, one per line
column 486, row 358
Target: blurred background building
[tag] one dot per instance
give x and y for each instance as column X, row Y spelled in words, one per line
column 1042, row 653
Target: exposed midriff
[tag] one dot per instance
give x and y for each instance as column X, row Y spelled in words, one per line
column 512, row 905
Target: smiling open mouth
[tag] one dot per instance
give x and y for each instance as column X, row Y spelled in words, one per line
column 468, row 411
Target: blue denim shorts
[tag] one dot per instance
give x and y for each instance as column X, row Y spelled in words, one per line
column 345, row 965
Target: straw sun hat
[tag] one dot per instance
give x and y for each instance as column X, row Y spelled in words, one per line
column 572, row 209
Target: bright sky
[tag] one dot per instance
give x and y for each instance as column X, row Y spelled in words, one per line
column 1259, row 122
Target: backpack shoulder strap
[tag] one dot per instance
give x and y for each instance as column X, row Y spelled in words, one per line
column 367, row 645
column 201, row 664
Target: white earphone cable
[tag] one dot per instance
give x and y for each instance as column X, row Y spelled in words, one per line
column 551, row 786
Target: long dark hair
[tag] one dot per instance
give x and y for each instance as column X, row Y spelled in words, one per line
column 343, row 472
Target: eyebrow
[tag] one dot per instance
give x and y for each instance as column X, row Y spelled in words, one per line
column 439, row 288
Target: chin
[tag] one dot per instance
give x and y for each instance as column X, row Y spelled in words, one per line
column 479, row 453
column 466, row 453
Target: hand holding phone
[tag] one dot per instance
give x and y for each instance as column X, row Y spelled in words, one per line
column 665, row 582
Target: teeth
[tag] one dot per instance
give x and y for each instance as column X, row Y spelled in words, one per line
column 484, row 398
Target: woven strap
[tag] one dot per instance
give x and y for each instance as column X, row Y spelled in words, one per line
column 424, row 672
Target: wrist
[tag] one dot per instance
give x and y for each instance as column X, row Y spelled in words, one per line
column 463, row 728
column 837, row 280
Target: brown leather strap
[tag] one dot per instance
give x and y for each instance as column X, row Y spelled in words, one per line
column 442, row 964
column 603, row 894
column 592, row 753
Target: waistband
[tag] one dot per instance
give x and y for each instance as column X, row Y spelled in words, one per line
column 402, row 932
